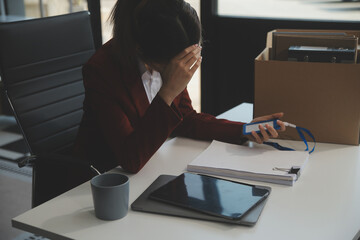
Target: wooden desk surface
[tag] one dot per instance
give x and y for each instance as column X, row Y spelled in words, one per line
column 323, row 204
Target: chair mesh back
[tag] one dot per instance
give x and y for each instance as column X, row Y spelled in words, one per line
column 40, row 63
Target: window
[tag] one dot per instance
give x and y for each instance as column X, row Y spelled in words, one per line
column 291, row 9
column 45, row 8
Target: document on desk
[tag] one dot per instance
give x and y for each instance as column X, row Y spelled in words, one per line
column 251, row 163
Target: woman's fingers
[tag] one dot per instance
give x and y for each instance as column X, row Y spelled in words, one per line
column 277, row 115
column 189, row 65
column 191, row 58
column 264, row 133
column 282, row 126
column 196, row 66
column 272, row 131
column 256, row 137
column 268, row 117
column 186, row 51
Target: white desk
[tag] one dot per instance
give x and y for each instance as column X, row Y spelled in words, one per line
column 323, row 204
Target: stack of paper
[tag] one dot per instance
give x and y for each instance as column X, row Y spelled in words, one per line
column 259, row 164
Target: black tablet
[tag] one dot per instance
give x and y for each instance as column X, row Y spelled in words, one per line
column 214, row 196
column 145, row 204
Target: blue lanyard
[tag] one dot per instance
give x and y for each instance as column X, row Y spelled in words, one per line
column 300, row 130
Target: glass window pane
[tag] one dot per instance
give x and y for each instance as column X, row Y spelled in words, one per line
column 45, row 8
column 292, row 9
column 194, row 85
column 106, row 26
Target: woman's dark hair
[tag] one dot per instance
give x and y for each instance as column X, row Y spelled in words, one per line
column 154, row 30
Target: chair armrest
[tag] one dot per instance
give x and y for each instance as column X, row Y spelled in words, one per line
column 28, row 161
column 56, row 159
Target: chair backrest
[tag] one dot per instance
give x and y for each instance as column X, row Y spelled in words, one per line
column 41, row 67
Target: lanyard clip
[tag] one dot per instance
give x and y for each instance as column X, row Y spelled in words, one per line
column 293, row 170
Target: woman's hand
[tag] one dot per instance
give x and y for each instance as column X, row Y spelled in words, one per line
column 178, row 72
column 270, row 132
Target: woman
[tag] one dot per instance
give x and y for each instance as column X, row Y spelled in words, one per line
column 136, row 93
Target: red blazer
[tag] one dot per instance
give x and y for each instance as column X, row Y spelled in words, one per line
column 120, row 127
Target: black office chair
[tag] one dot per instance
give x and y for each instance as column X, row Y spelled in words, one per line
column 40, row 66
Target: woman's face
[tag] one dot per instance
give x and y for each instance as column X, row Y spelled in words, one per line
column 159, row 67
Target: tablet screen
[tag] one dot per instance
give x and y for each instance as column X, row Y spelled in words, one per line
column 211, row 195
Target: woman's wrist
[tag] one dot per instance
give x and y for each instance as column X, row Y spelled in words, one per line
column 166, row 96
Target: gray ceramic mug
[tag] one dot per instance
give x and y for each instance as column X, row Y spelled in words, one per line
column 110, row 195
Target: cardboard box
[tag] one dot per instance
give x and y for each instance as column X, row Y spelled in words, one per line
column 322, row 97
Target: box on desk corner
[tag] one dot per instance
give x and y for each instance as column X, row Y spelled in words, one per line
column 322, row 97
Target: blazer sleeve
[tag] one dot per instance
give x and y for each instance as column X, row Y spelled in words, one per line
column 205, row 126
column 132, row 144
